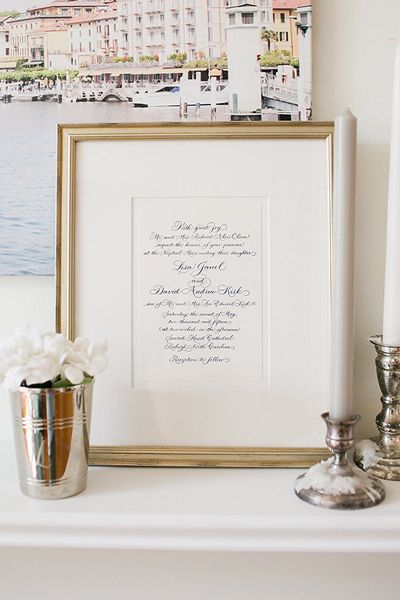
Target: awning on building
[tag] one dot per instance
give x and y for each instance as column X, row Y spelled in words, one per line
column 7, row 64
column 33, row 63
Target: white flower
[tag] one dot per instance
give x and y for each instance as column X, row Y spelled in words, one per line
column 84, row 358
column 30, row 357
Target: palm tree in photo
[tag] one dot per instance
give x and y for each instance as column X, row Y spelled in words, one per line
column 268, row 36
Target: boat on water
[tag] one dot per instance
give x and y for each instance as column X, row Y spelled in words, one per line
column 170, row 95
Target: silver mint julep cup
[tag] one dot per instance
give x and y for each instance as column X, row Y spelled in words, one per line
column 51, row 434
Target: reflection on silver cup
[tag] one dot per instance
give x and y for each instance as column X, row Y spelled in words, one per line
column 51, row 433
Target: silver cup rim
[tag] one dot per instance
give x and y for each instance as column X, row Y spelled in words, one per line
column 25, row 388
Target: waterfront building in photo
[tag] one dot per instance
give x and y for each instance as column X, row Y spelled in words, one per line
column 264, row 18
column 93, row 38
column 284, row 24
column 165, row 27
column 45, row 16
column 4, row 37
column 290, row 21
column 6, row 60
column 49, row 45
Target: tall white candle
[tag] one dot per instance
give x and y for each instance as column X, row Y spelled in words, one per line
column 391, row 305
column 341, row 405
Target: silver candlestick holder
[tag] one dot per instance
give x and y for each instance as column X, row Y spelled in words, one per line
column 381, row 455
column 335, row 483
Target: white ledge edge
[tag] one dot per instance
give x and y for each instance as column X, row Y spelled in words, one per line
column 227, row 534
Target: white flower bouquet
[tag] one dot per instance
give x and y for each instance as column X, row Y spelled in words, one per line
column 33, row 359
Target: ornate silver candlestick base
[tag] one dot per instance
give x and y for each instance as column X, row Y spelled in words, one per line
column 381, row 455
column 334, row 483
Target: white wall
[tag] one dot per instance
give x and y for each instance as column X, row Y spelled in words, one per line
column 23, row 300
column 353, row 62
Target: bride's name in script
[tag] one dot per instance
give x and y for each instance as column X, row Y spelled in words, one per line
column 199, row 268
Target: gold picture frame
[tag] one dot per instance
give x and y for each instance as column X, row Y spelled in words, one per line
column 71, row 241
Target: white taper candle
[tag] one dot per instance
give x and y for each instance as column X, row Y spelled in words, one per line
column 391, row 305
column 341, row 404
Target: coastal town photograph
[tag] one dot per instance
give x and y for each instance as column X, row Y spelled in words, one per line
column 100, row 61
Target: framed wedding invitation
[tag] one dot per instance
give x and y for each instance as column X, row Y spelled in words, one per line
column 201, row 252
column 198, row 308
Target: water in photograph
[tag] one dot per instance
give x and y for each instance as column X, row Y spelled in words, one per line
column 28, row 172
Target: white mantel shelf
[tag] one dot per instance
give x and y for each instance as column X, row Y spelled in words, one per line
column 191, row 509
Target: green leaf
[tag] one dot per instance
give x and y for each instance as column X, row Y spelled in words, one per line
column 66, row 383
column 61, row 383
